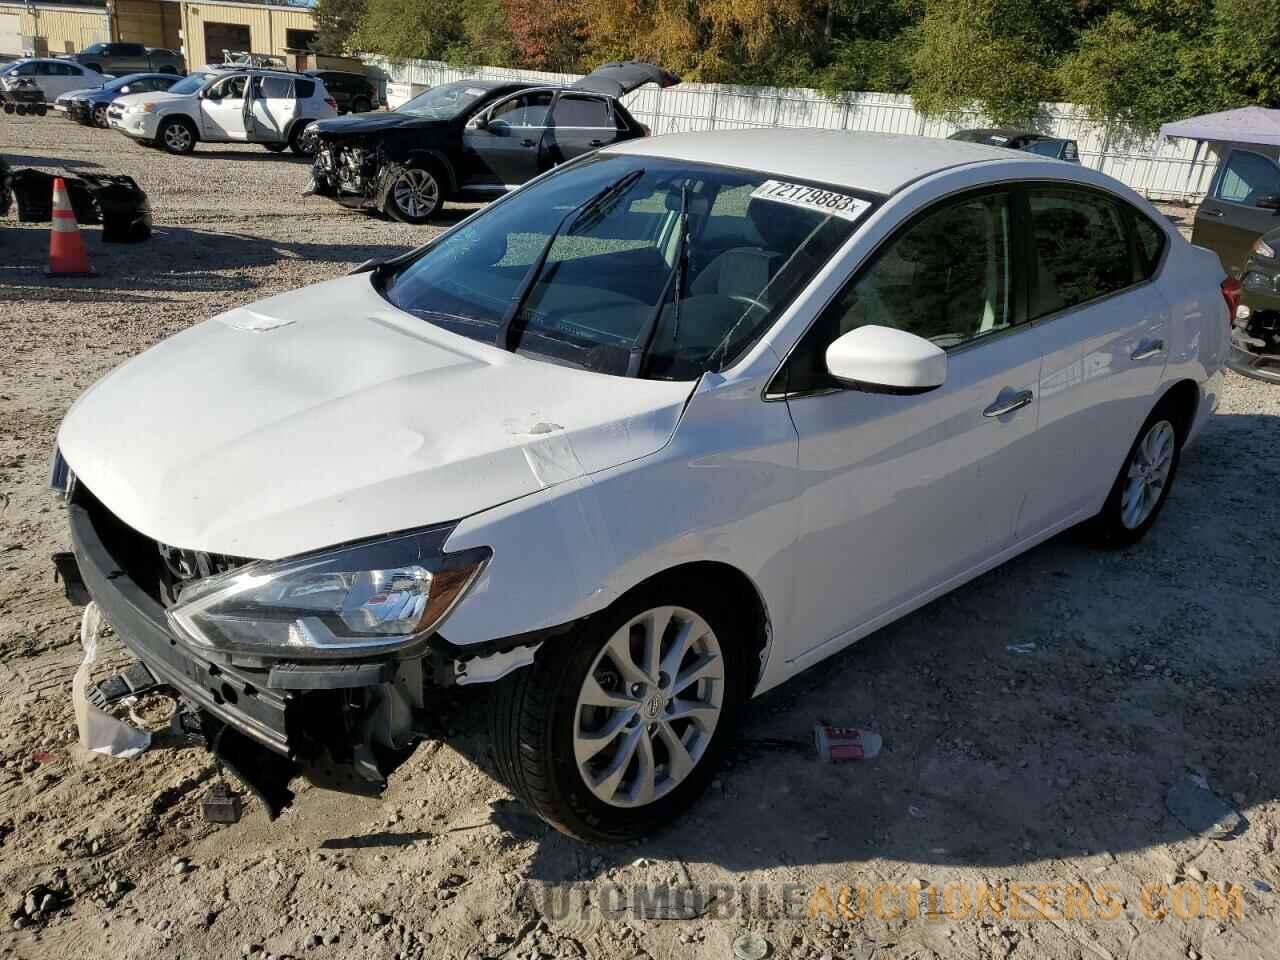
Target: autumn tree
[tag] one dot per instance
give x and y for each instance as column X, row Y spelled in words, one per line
column 546, row 34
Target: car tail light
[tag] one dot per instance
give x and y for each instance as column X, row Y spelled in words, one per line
column 1231, row 290
column 331, row 102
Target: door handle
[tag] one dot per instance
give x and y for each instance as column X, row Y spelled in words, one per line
column 1147, row 349
column 1212, row 213
column 596, row 143
column 528, row 143
column 1008, row 403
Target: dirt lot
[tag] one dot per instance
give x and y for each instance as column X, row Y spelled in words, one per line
column 1047, row 763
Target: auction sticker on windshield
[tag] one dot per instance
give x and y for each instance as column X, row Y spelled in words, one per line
column 811, row 198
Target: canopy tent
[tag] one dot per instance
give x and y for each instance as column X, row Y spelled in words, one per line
column 1244, row 125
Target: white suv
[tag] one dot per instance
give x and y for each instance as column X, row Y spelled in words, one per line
column 243, row 106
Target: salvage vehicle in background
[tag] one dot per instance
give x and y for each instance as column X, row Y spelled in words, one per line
column 473, row 140
column 353, row 92
column 90, row 106
column 119, row 58
column 1028, row 140
column 225, row 106
column 639, row 441
column 53, row 77
column 1238, row 220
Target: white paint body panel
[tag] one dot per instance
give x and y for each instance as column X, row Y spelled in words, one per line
column 326, row 415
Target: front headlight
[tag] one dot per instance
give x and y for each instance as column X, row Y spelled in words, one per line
column 356, row 601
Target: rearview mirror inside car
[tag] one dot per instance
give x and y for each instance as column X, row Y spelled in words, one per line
column 1270, row 201
column 885, row 360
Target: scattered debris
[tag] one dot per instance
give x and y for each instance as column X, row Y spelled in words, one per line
column 220, row 804
column 1201, row 810
column 837, row 744
column 750, row 946
column 99, row 731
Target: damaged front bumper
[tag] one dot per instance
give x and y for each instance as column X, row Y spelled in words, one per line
column 344, row 725
column 1255, row 335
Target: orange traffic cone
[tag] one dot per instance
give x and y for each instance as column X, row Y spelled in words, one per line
column 67, row 255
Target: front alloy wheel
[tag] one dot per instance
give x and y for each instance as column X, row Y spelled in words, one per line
column 621, row 722
column 414, row 196
column 100, row 114
column 649, row 707
column 177, row 137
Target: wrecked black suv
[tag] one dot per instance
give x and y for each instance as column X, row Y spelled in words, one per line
column 472, row 140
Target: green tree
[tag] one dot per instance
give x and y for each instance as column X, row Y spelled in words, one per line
column 1245, row 43
column 420, row 29
column 486, row 35
column 336, row 24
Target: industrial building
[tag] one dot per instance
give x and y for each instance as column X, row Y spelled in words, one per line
column 199, row 30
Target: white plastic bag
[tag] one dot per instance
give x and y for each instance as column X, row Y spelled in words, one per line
column 99, row 731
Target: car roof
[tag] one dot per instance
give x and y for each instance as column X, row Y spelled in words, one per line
column 874, row 162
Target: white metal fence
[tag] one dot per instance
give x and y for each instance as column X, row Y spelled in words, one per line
column 1159, row 169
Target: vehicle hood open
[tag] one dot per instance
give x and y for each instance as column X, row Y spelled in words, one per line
column 360, row 123
column 620, row 77
column 327, row 415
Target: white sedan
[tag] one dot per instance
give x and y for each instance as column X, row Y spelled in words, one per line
column 53, row 77
column 638, row 442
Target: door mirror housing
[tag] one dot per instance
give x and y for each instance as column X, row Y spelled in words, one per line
column 885, row 360
column 1270, row 201
column 479, row 122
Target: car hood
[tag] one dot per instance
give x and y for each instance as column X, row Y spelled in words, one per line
column 326, row 415
column 356, row 124
column 151, row 96
column 76, row 94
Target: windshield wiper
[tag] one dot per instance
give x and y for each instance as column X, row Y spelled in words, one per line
column 675, row 278
column 505, row 337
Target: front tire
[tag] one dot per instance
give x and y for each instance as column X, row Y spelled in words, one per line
column 177, row 136
column 100, row 115
column 300, row 145
column 1144, row 482
column 619, row 725
column 414, row 195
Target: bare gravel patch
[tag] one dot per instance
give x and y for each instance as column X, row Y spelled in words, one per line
column 1048, row 766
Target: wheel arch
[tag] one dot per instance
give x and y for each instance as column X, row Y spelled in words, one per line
column 729, row 582
column 1182, row 399
column 438, row 161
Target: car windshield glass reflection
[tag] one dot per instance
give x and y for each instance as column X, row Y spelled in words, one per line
column 444, row 102
column 593, row 280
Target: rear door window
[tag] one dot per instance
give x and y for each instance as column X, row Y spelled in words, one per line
column 273, row 88
column 1150, row 241
column 1081, row 247
column 576, row 111
column 1247, row 177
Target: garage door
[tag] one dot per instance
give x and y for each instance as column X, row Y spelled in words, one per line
column 224, row 36
column 10, row 37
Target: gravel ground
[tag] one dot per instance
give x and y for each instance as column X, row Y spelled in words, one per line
column 1045, row 764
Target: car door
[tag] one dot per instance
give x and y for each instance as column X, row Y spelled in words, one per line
column 55, row 79
column 272, row 108
column 1104, row 331
column 906, row 495
column 1229, row 220
column 502, row 150
column 580, row 123
column 222, row 109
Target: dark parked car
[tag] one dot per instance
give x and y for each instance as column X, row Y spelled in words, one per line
column 1027, row 140
column 90, row 106
column 121, row 58
column 354, row 92
column 1239, row 220
column 473, row 140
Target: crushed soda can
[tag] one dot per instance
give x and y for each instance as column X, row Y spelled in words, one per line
column 838, row 744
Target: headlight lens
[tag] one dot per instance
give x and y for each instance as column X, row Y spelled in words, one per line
column 1264, row 249
column 356, row 601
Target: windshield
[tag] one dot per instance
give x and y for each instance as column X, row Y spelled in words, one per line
column 609, row 280
column 445, row 102
column 191, row 82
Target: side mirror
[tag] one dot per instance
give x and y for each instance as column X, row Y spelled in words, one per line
column 885, row 360
column 479, row 122
column 1270, row 201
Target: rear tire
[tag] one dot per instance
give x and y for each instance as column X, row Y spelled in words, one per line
column 177, row 136
column 605, row 750
column 100, row 115
column 361, row 105
column 296, row 142
column 1142, row 487
column 276, row 147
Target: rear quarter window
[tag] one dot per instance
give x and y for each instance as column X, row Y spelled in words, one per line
column 304, row 89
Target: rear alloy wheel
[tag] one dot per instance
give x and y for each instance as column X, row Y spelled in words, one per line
column 100, row 115
column 177, row 136
column 361, row 105
column 620, row 724
column 1144, row 482
column 414, row 196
